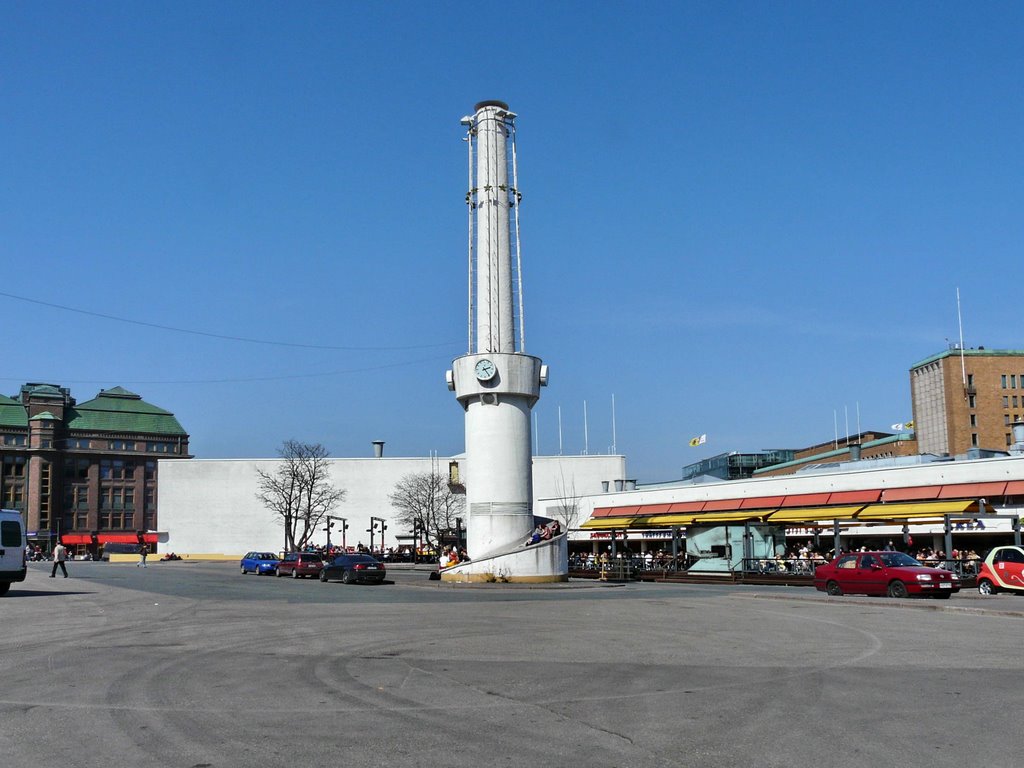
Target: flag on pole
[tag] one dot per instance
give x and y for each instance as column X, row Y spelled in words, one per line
column 901, row 427
column 896, row 427
column 698, row 441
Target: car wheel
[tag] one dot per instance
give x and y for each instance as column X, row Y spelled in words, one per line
column 244, row 571
column 277, row 572
column 323, row 576
column 4, row 586
column 986, row 587
column 346, row 577
column 295, row 573
column 833, row 588
column 898, row 589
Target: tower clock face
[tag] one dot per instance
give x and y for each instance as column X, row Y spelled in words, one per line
column 485, row 369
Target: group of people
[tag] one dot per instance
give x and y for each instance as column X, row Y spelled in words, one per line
column 452, row 556
column 544, row 532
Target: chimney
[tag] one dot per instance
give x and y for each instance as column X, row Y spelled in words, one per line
column 854, row 451
column 618, row 485
column 378, row 448
column 1018, row 437
column 604, row 486
column 631, row 485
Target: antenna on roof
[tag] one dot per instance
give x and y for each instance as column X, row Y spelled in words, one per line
column 614, row 445
column 960, row 322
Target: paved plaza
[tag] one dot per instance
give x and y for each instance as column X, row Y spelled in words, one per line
column 193, row 665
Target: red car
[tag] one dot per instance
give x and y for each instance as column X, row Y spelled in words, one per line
column 1002, row 570
column 884, row 573
column 299, row 564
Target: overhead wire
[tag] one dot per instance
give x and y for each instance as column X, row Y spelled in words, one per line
column 222, row 336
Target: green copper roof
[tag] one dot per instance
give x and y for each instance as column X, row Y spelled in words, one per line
column 44, row 416
column 118, row 410
column 12, row 413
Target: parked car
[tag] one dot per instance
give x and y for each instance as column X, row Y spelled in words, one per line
column 299, row 564
column 884, row 573
column 1002, row 570
column 259, row 562
column 13, row 566
column 353, row 568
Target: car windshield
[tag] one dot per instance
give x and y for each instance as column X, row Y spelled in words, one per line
column 898, row 559
column 267, row 556
column 311, row 557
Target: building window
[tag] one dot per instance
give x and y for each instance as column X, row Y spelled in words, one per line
column 160, row 447
column 1002, row 381
column 972, row 401
column 974, row 439
column 77, row 442
column 970, row 379
column 974, row 420
column 14, row 466
column 116, row 469
column 76, row 470
column 151, row 470
column 1014, row 401
column 16, row 440
column 1013, row 381
column 1006, row 401
column 44, row 495
column 122, row 445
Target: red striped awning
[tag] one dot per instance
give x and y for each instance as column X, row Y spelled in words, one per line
column 854, row 497
column 118, row 538
column 151, row 538
column 911, row 494
column 972, row 490
column 76, row 538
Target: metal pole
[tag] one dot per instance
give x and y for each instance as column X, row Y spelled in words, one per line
column 835, row 537
column 948, row 537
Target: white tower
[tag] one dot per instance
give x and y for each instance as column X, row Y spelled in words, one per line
column 497, row 383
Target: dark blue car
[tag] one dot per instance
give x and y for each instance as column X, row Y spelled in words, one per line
column 259, row 562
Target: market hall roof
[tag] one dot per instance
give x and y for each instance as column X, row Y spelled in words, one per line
column 118, row 410
column 12, row 413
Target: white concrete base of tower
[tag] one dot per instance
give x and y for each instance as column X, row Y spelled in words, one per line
column 544, row 562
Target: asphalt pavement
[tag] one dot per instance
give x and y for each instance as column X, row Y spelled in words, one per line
column 197, row 666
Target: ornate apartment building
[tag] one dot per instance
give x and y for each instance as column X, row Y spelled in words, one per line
column 85, row 473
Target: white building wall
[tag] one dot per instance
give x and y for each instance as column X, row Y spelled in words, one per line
column 209, row 506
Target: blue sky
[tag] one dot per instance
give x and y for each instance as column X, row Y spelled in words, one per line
column 739, row 218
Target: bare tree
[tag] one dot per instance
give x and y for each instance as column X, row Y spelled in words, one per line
column 425, row 500
column 299, row 492
column 567, row 513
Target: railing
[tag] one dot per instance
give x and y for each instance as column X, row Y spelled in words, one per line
column 636, row 564
column 782, row 566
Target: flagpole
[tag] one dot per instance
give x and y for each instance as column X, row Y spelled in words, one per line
column 586, row 431
column 960, row 323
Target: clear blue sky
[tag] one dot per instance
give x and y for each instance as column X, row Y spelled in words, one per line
column 738, row 218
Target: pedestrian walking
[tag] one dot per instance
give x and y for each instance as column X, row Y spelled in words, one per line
column 143, row 551
column 60, row 554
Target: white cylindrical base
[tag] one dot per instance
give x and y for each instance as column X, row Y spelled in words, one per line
column 539, row 563
column 499, row 489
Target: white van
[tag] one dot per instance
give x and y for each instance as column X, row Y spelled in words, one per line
column 13, row 565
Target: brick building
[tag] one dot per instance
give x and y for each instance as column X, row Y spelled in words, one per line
column 85, row 472
column 967, row 398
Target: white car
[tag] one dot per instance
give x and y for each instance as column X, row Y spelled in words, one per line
column 13, row 564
